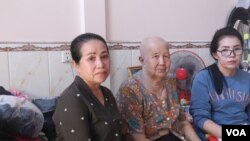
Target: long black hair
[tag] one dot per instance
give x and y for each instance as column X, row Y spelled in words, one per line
column 214, row 72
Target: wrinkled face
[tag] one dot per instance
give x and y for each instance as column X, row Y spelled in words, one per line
column 229, row 62
column 156, row 60
column 94, row 65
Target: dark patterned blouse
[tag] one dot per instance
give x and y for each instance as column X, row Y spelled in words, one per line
column 143, row 112
column 79, row 115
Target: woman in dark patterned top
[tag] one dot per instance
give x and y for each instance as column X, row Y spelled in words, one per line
column 87, row 111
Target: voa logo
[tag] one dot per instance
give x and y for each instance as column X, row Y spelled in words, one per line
column 236, row 132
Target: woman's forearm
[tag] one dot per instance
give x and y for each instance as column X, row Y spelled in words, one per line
column 190, row 134
column 212, row 128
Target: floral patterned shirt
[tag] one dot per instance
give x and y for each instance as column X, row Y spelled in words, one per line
column 143, row 112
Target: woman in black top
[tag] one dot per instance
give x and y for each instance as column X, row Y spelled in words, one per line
column 87, row 111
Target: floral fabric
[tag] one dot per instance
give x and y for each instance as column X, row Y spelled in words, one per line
column 143, row 112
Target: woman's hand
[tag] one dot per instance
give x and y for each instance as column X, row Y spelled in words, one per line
column 188, row 131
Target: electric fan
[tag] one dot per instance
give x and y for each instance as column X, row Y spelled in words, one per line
column 187, row 60
column 184, row 65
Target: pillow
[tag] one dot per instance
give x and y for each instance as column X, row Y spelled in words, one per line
column 18, row 116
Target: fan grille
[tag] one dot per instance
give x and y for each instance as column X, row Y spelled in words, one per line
column 186, row 59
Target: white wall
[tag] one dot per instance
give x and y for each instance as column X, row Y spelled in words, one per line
column 39, row 20
column 95, row 16
column 175, row 20
column 130, row 20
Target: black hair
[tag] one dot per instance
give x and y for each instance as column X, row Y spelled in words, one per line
column 214, row 72
column 76, row 44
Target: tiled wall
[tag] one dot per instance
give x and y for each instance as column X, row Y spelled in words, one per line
column 36, row 69
column 125, row 55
